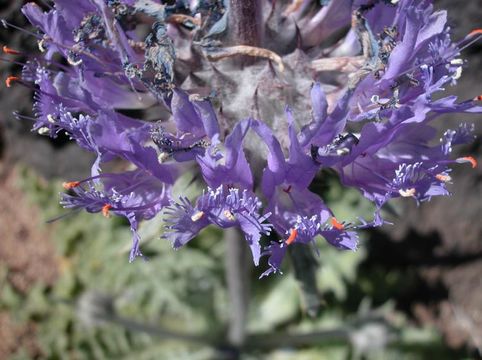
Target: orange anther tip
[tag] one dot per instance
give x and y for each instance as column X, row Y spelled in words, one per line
column 478, row 98
column 475, row 32
column 70, row 185
column 105, row 210
column 10, row 79
column 291, row 239
column 471, row 160
column 337, row 225
column 7, row 50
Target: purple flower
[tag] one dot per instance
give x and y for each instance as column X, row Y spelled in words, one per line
column 222, row 207
column 255, row 114
column 136, row 195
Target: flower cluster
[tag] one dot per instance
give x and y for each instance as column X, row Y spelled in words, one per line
column 341, row 84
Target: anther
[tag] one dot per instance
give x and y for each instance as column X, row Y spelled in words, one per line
column 70, row 184
column 443, row 177
column 336, row 224
column 106, row 210
column 10, row 79
column 51, row 119
column 197, row 216
column 7, row 50
column 407, row 192
column 478, row 98
column 291, row 239
column 468, row 159
column 41, row 46
column 43, row 130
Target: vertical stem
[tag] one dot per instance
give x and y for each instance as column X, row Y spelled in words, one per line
column 237, row 277
column 244, row 19
column 305, row 266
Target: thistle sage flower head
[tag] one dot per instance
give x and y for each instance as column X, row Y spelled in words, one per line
column 257, row 97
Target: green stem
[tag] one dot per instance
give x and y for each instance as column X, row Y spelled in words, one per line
column 237, row 278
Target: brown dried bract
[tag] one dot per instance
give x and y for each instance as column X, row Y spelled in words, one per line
column 232, row 51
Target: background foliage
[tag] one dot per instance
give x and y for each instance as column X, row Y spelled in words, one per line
column 175, row 306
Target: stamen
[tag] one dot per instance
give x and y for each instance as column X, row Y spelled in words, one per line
column 443, row 177
column 105, row 210
column 407, row 192
column 10, row 79
column 228, row 52
column 7, row 50
column 478, row 98
column 197, row 216
column 291, row 239
column 336, row 224
column 229, row 215
column 70, row 184
column 468, row 159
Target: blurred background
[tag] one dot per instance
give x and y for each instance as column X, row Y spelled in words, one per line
column 412, row 291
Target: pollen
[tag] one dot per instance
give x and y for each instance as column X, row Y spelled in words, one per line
column 336, row 224
column 70, row 184
column 51, row 118
column 291, row 239
column 7, row 50
column 163, row 157
column 10, row 79
column 106, row 210
column 469, row 159
column 407, row 192
column 41, row 46
column 197, row 216
column 229, row 215
column 43, row 130
column 443, row 177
